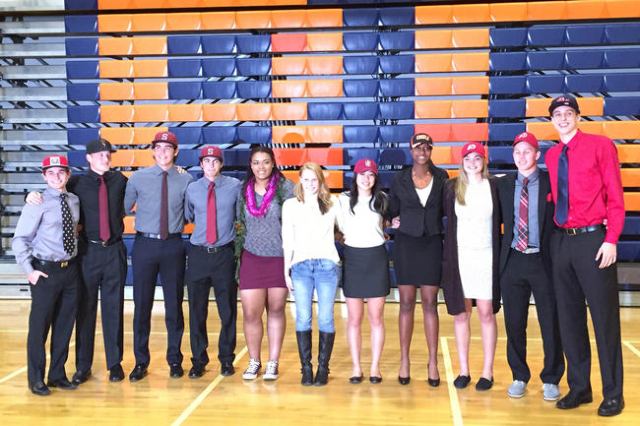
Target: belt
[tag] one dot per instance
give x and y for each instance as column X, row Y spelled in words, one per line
column 157, row 236
column 528, row 250
column 105, row 243
column 582, row 230
column 62, row 264
column 211, row 250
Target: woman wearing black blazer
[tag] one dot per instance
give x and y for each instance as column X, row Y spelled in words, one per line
column 415, row 205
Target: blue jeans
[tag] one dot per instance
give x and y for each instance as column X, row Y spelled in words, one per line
column 321, row 274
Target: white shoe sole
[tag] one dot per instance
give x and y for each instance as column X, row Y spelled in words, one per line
column 551, row 399
column 515, row 395
column 270, row 377
column 246, row 376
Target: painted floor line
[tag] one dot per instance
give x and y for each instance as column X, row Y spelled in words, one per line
column 23, row 369
column 631, row 347
column 456, row 413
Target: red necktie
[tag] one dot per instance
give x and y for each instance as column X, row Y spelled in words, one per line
column 212, row 232
column 164, row 208
column 103, row 208
column 523, row 220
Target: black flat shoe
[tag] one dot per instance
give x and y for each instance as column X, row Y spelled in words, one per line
column 611, row 407
column 226, row 369
column 176, row 371
column 484, row 384
column 196, row 372
column 62, row 383
column 139, row 372
column 404, row 380
column 461, row 382
column 375, row 379
column 80, row 377
column 39, row 388
column 356, row 379
column 116, row 374
column 434, row 383
column 574, row 400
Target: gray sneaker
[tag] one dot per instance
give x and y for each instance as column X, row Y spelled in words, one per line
column 517, row 389
column 550, row 392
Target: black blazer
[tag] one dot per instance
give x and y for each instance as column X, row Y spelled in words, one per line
column 417, row 220
column 546, row 225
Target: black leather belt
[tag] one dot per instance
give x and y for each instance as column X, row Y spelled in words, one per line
column 62, row 264
column 105, row 243
column 582, row 230
column 212, row 250
column 157, row 236
column 528, row 250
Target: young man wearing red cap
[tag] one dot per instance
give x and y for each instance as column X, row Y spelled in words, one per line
column 525, row 267
column 45, row 246
column 158, row 192
column 210, row 203
column 587, row 190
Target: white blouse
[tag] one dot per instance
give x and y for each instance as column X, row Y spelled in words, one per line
column 423, row 193
column 363, row 227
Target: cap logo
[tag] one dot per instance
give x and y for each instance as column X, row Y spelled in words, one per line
column 165, row 136
column 472, row 146
column 522, row 135
column 210, row 151
column 54, row 161
column 367, row 163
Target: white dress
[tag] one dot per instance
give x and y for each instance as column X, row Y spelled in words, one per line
column 475, row 252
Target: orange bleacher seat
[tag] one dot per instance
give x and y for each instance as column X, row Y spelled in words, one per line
column 116, row 69
column 433, row 109
column 318, row 18
column 470, row 13
column 253, row 112
column 185, row 112
column 433, row 39
column 117, row 135
column 333, row 178
column 129, row 221
column 115, row 46
column 288, row 19
column 253, row 19
column 150, row 68
column 299, row 156
column 219, row 112
column 116, row 91
column 184, row 21
column 289, row 111
column 628, row 153
column 132, row 158
column 622, row 9
column 324, row 42
column 433, row 86
column 630, row 177
column 438, row 62
column 504, row 12
column 149, row 46
column 632, row 201
column 114, row 23
column 621, row 129
column 114, row 4
column 586, row 9
column 321, row 65
column 296, row 42
column 324, row 88
column 470, row 61
column 218, row 20
column 439, row 132
column 288, row 88
column 290, row 65
column 155, row 90
column 547, row 11
column 116, row 113
column 470, row 108
column 441, row 155
column 470, row 85
column 453, row 172
column 434, row 15
column 145, row 135
column 475, row 37
column 456, row 154
column 148, row 22
column 546, row 131
column 539, row 107
column 289, row 134
column 150, row 113
column 325, row 134
column 465, row 132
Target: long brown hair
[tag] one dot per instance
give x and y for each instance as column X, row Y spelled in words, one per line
column 462, row 181
column 324, row 195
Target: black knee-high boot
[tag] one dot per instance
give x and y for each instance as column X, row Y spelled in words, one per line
column 325, row 347
column 304, row 350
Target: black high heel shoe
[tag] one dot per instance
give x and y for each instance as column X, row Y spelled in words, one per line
column 434, row 383
column 404, row 380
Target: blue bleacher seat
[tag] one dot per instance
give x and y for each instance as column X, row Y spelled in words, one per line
column 631, row 225
column 77, row 158
column 360, row 17
column 397, row 87
column 219, row 89
column 184, row 45
column 507, row 37
column 511, row 108
column 402, row 110
column 188, row 135
column 401, row 40
column 83, row 92
column 500, row 155
column 366, row 41
column 508, row 84
column 82, row 69
column 622, row 106
column 218, row 43
column 629, row 251
column 360, row 134
column 622, row 33
column 236, row 157
column 621, row 82
column 324, row 110
column 184, row 67
column 254, row 134
column 545, row 83
column 589, row 59
column 397, row 15
column 81, row 136
column 583, row 83
column 253, row 66
column 360, row 64
column 395, row 156
column 80, row 4
column 585, row 34
column 546, row 35
column 397, row 64
column 622, row 58
column 81, row 46
column 360, row 110
column 218, row 67
column 360, row 88
column 505, row 131
column 350, row 156
column 184, row 89
column 213, row 135
column 254, row 89
column 547, row 60
column 253, row 43
column 397, row 133
column 187, row 157
column 507, row 61
column 81, row 23
column 83, row 114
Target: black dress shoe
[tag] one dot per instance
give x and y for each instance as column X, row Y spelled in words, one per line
column 434, row 383
column 611, row 406
column 116, row 374
column 356, row 379
column 484, row 384
column 39, row 388
column 461, row 382
column 196, row 372
column 81, row 376
column 226, row 369
column 62, row 383
column 375, row 379
column 176, row 371
column 574, row 400
column 404, row 380
column 139, row 372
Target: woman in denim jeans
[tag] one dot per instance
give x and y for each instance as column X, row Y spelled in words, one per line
column 310, row 261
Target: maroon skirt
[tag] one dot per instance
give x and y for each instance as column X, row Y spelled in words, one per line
column 260, row 271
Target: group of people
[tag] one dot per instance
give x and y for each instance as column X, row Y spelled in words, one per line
column 271, row 236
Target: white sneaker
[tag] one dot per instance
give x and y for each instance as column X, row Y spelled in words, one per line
column 252, row 370
column 271, row 371
column 517, row 389
column 550, row 392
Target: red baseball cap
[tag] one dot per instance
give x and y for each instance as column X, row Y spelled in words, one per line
column 55, row 161
column 476, row 147
column 167, row 137
column 210, row 151
column 366, row 165
column 528, row 138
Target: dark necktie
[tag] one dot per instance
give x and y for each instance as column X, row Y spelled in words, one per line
column 562, row 203
column 212, row 232
column 523, row 218
column 68, row 236
column 164, row 208
column 103, row 207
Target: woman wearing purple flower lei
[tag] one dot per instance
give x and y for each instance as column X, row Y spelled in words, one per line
column 261, row 263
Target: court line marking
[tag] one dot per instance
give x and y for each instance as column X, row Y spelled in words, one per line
column 23, row 369
column 630, row 346
column 196, row 402
column 456, row 413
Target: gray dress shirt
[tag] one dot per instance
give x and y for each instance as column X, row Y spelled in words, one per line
column 39, row 230
column 534, row 226
column 144, row 188
column 195, row 209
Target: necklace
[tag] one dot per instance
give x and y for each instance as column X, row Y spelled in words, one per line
column 266, row 200
column 420, row 183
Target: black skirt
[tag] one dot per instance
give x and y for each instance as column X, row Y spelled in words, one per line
column 366, row 272
column 417, row 261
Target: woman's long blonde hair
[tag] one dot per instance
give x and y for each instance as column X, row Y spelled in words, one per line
column 324, row 195
column 462, row 181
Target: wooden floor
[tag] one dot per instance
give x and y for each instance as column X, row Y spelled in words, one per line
column 160, row 400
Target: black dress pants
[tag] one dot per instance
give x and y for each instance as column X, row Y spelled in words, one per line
column 524, row 274
column 576, row 276
column 104, row 269
column 206, row 270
